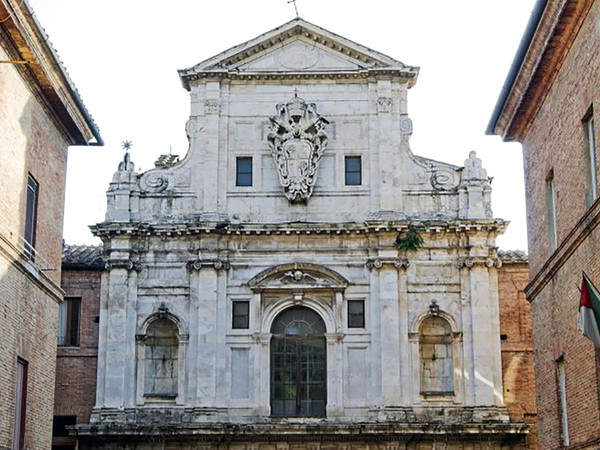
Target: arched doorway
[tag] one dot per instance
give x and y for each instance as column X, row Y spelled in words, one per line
column 298, row 364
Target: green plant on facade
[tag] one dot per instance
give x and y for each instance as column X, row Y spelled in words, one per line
column 411, row 239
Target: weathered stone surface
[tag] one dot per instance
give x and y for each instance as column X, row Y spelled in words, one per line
column 185, row 252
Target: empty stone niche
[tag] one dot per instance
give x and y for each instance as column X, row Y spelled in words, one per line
column 435, row 350
column 160, row 360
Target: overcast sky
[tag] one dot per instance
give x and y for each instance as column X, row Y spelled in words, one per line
column 123, row 56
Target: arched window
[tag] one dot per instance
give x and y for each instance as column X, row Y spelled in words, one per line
column 298, row 364
column 160, row 359
column 435, row 350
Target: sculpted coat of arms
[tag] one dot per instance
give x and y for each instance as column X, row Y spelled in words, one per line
column 297, row 139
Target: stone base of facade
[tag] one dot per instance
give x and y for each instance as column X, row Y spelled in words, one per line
column 396, row 429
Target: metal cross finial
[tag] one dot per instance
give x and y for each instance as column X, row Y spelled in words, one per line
column 127, row 145
column 295, row 8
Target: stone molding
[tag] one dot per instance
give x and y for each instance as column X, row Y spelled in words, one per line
column 190, row 228
column 468, row 262
column 566, row 248
column 199, row 264
column 378, row 263
column 127, row 264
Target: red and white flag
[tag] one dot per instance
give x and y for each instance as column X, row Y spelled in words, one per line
column 589, row 311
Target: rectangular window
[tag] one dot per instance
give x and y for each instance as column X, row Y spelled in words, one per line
column 243, row 171
column 20, row 405
column 562, row 398
column 353, row 171
column 589, row 157
column 356, row 314
column 31, row 215
column 241, row 315
column 551, row 211
column 68, row 322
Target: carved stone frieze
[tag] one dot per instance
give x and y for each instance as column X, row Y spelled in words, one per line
column 444, row 179
column 384, row 105
column 297, row 139
column 212, row 106
column 217, row 264
column 123, row 264
column 298, row 276
column 154, row 182
column 378, row 263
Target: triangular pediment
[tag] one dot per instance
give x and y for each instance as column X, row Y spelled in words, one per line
column 297, row 46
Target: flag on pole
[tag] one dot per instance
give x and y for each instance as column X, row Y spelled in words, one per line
column 589, row 311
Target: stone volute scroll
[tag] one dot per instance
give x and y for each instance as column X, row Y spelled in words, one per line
column 297, row 138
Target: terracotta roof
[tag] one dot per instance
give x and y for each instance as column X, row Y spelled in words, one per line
column 40, row 65
column 513, row 256
column 82, row 257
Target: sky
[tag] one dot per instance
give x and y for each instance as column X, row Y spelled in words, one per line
column 123, row 57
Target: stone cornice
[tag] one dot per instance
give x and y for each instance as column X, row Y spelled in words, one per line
column 311, row 431
column 366, row 75
column 189, row 228
column 567, row 247
column 30, row 269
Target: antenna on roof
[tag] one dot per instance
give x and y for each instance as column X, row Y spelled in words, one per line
column 295, row 8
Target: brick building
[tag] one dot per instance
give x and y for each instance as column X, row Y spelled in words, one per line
column 77, row 354
column 41, row 114
column 548, row 104
column 516, row 341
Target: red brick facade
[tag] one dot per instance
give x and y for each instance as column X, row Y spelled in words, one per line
column 40, row 116
column 517, row 344
column 556, row 87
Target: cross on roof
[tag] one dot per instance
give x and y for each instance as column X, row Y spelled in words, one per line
column 295, row 7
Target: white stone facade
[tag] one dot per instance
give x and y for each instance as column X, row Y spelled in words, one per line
column 184, row 242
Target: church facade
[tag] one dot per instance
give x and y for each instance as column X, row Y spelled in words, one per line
column 300, row 277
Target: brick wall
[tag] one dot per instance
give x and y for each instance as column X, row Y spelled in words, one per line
column 556, row 142
column 517, row 345
column 76, row 366
column 29, row 294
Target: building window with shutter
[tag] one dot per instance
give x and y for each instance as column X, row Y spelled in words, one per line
column 243, row 171
column 562, row 399
column 68, row 322
column 356, row 314
column 20, row 405
column 31, row 216
column 589, row 159
column 551, row 211
column 241, row 315
column 353, row 169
